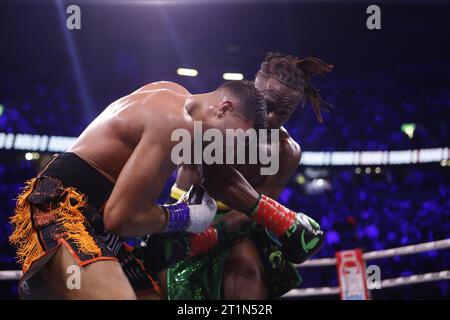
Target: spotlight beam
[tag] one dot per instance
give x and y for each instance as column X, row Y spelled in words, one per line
column 83, row 91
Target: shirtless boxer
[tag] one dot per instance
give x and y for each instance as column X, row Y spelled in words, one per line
column 249, row 262
column 107, row 183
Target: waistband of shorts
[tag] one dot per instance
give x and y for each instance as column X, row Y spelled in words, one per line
column 75, row 172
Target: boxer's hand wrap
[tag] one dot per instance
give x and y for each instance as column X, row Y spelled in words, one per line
column 301, row 236
column 194, row 212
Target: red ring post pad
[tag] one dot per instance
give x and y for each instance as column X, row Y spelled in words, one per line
column 177, row 217
column 274, row 216
column 203, row 242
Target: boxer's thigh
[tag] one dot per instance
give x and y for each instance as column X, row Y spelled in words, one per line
column 244, row 275
column 103, row 279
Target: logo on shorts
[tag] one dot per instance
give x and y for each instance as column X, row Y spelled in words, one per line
column 57, row 232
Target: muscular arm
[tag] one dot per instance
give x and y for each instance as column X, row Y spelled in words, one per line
column 304, row 237
column 231, row 187
column 225, row 183
column 228, row 185
column 272, row 186
column 130, row 210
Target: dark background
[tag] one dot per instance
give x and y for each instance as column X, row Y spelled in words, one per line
column 54, row 81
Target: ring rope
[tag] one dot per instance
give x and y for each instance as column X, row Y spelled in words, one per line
column 400, row 251
column 387, row 283
column 10, row 274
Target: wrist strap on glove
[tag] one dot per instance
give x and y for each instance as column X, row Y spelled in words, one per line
column 177, row 217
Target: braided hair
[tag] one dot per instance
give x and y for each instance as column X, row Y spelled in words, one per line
column 296, row 73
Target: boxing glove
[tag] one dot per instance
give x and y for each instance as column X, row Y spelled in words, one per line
column 302, row 240
column 194, row 212
column 300, row 236
column 161, row 251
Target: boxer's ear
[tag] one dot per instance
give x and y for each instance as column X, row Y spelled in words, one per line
column 224, row 107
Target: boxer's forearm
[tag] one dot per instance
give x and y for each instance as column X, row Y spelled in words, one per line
column 137, row 224
column 226, row 184
column 131, row 209
column 236, row 220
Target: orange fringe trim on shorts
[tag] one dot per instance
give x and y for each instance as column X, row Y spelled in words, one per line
column 25, row 237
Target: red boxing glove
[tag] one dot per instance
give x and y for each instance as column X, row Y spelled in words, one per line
column 274, row 216
column 204, row 241
column 300, row 236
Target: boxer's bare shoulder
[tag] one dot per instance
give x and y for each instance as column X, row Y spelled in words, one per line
column 290, row 155
column 164, row 85
column 109, row 140
column 288, row 146
column 163, row 109
column 156, row 109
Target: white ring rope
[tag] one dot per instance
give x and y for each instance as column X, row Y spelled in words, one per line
column 45, row 143
column 388, row 283
column 10, row 274
column 400, row 251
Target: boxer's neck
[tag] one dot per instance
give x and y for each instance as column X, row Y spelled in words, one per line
column 198, row 105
